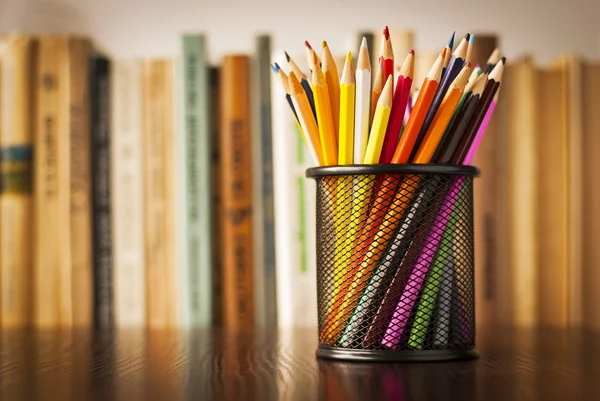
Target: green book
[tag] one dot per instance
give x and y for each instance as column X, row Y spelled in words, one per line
column 195, row 184
column 264, row 226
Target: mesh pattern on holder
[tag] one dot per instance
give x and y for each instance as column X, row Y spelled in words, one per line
column 395, row 257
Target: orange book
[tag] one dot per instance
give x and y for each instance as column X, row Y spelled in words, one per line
column 52, row 266
column 236, row 193
column 80, row 205
column 16, row 140
column 159, row 179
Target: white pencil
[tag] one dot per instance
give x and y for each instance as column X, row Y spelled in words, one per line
column 363, row 99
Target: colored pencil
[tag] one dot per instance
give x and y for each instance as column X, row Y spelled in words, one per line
column 386, row 58
column 470, row 48
column 463, row 117
column 380, row 122
column 481, row 131
column 303, row 81
column 443, row 116
column 311, row 56
column 283, row 79
column 382, row 220
column 306, row 118
column 372, row 154
column 347, row 97
column 332, row 78
column 419, row 113
column 492, row 61
column 401, row 94
column 363, row 96
column 324, row 116
column 454, row 67
column 448, row 54
column 491, row 87
column 377, row 87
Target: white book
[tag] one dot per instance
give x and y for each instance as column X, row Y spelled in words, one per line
column 126, row 155
column 295, row 216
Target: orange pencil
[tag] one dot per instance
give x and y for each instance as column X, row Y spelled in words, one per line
column 366, row 251
column 333, row 86
column 442, row 117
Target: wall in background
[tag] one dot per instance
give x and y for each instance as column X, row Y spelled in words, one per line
column 146, row 28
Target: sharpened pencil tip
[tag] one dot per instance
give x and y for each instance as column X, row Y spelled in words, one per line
column 287, row 56
column 451, row 41
column 275, row 68
column 472, row 40
column 323, row 44
column 307, row 44
column 412, row 51
column 478, row 66
column 468, row 64
column 349, row 57
column 503, row 59
column 386, row 32
column 364, row 42
column 467, row 36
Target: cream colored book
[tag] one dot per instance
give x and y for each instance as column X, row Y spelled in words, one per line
column 162, row 302
column 552, row 199
column 127, row 195
column 518, row 195
column 591, row 198
column 80, row 179
column 16, row 152
column 52, row 265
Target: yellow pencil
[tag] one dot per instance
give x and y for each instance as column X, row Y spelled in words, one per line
column 333, row 85
column 380, row 121
column 347, row 95
column 324, row 117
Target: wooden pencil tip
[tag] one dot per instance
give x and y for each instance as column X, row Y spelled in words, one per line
column 287, row 56
column 412, row 52
column 386, row 32
column 503, row 59
column 478, row 66
column 275, row 68
column 451, row 41
column 467, row 37
column 324, row 44
column 349, row 57
column 468, row 64
column 472, row 40
column 363, row 43
column 307, row 44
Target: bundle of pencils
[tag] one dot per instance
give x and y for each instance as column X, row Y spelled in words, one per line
column 361, row 118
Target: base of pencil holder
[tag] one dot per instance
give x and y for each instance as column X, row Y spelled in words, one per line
column 354, row 355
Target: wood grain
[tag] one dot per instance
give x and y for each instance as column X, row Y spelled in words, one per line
column 529, row 364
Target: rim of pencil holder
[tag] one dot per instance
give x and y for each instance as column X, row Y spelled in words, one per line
column 373, row 169
column 434, row 318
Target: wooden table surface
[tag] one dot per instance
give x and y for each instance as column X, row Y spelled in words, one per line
column 541, row 364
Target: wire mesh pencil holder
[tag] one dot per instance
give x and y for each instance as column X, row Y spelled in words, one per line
column 395, row 262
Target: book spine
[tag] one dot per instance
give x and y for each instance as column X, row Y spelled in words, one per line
column 197, row 199
column 81, row 237
column 101, row 216
column 215, row 202
column 158, row 171
column 295, row 220
column 51, row 190
column 263, row 212
column 16, row 154
column 128, row 231
column 236, row 174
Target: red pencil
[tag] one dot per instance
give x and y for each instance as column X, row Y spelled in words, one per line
column 401, row 94
column 386, row 58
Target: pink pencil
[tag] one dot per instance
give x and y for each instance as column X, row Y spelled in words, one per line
column 392, row 132
column 410, row 295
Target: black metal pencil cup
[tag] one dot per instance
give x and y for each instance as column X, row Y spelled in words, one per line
column 395, row 262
